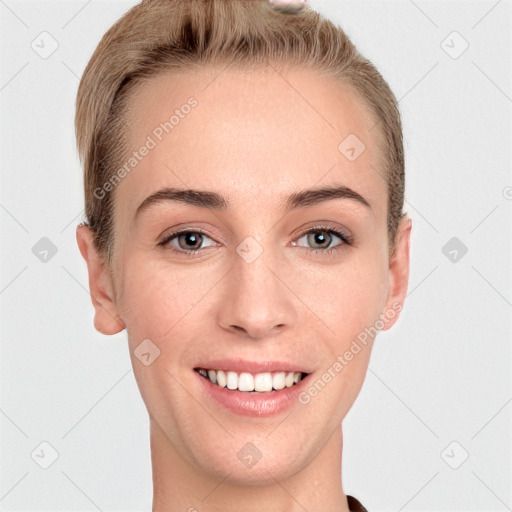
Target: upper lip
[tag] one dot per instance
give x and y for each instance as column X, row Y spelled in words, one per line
column 242, row 365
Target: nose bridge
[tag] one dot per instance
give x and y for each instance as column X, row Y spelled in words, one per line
column 256, row 301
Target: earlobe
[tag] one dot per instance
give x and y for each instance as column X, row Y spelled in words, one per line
column 106, row 317
column 398, row 274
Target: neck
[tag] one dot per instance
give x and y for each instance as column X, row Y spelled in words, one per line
column 178, row 485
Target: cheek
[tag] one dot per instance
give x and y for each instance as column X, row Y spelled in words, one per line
column 156, row 295
column 350, row 305
column 351, row 297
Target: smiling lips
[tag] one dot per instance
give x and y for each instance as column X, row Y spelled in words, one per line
column 256, row 382
column 250, row 388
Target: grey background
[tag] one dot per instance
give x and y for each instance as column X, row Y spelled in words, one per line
column 441, row 375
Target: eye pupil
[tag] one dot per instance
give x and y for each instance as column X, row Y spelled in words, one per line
column 195, row 237
column 320, row 238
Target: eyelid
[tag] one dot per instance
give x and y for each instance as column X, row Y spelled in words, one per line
column 178, row 230
column 343, row 233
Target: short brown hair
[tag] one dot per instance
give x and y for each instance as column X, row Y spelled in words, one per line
column 158, row 36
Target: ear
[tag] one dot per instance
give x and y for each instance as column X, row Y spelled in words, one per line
column 398, row 275
column 106, row 317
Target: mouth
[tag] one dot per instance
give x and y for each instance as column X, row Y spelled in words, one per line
column 252, row 383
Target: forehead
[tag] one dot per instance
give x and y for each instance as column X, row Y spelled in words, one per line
column 258, row 133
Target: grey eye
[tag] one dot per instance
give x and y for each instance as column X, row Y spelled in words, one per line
column 323, row 238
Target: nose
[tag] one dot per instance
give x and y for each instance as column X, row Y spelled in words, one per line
column 257, row 301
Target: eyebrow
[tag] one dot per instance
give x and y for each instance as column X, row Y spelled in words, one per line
column 212, row 200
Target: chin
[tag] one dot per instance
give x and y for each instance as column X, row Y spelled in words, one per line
column 274, row 464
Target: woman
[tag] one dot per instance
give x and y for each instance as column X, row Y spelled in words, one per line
column 244, row 186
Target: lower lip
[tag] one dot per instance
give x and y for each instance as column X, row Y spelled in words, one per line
column 255, row 404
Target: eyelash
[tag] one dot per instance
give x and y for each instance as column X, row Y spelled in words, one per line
column 345, row 239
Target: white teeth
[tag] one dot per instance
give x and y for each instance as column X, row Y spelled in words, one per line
column 221, row 379
column 231, row 380
column 278, row 380
column 212, row 376
column 261, row 382
column 246, row 382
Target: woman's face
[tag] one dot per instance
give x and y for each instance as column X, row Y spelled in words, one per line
column 264, row 291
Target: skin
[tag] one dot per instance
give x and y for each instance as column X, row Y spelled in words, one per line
column 254, row 139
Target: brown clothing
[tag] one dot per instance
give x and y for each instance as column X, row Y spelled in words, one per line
column 355, row 505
